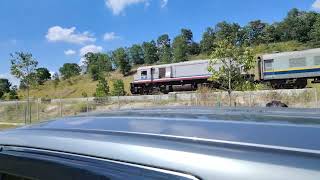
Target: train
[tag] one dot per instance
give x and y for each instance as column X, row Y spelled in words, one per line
column 280, row 70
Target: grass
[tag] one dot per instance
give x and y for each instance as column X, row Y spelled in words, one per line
column 3, row 127
column 74, row 87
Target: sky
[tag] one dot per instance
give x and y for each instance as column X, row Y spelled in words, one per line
column 60, row 31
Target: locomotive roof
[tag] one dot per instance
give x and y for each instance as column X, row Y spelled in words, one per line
column 291, row 53
column 173, row 64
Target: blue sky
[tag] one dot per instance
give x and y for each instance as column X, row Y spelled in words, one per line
column 60, row 31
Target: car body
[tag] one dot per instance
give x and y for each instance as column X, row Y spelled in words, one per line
column 168, row 143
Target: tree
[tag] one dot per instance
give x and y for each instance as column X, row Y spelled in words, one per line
column 42, row 75
column 315, row 32
column 150, row 52
column 13, row 95
column 122, row 61
column 232, row 61
column 136, row 54
column 208, row 41
column 254, row 33
column 97, row 64
column 118, row 88
column 69, row 70
column 23, row 67
column 164, row 49
column 102, row 89
column 230, row 32
column 180, row 49
column 4, row 87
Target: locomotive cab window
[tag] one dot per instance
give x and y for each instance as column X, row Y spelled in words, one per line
column 144, row 74
column 268, row 65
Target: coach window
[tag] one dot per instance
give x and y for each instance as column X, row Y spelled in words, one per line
column 268, row 65
column 317, row 60
column 297, row 62
column 144, row 74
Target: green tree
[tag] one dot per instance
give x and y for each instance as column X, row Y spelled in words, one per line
column 42, row 75
column 97, row 64
column 227, row 64
column 56, row 80
column 136, row 54
column 102, row 89
column 69, row 70
column 164, row 49
column 208, row 41
column 4, row 87
column 230, row 32
column 121, row 60
column 315, row 32
column 118, row 88
column 150, row 52
column 254, row 33
column 13, row 95
column 180, row 49
column 23, row 67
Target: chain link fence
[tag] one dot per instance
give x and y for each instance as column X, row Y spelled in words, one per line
column 16, row 113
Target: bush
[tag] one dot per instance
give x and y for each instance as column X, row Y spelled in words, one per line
column 102, row 89
column 118, row 88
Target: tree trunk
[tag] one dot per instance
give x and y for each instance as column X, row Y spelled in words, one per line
column 229, row 84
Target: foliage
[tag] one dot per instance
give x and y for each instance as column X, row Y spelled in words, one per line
column 4, row 87
column 136, row 54
column 207, row 42
column 13, row 95
column 118, row 88
column 121, row 60
column 23, row 67
column 230, row 32
column 180, row 49
column 42, row 75
column 232, row 61
column 69, row 70
column 150, row 52
column 164, row 49
column 102, row 89
column 97, row 64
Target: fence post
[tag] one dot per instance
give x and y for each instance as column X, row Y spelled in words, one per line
column 60, row 107
column 87, row 106
column 250, row 103
column 38, row 102
column 316, row 97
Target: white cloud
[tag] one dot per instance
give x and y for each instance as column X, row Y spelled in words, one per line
column 109, row 36
column 90, row 48
column 69, row 52
column 57, row 33
column 316, row 5
column 117, row 6
column 13, row 80
column 164, row 3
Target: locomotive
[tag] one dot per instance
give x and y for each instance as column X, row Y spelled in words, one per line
column 281, row 70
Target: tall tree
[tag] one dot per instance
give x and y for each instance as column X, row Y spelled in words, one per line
column 23, row 67
column 136, row 54
column 150, row 52
column 208, row 41
column 254, row 33
column 227, row 64
column 97, row 64
column 164, row 48
column 180, row 49
column 69, row 70
column 230, row 32
column 122, row 60
column 42, row 75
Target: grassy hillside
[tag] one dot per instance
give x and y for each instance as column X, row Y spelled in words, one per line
column 77, row 86
column 74, row 87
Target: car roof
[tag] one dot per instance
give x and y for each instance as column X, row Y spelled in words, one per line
column 283, row 128
column 176, row 138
